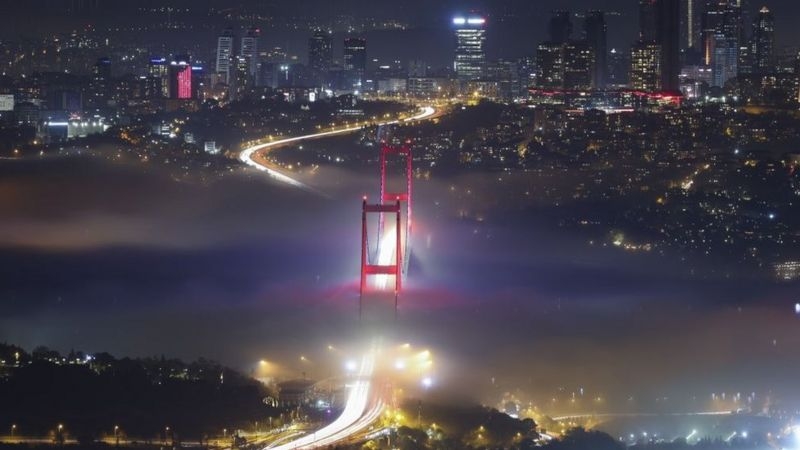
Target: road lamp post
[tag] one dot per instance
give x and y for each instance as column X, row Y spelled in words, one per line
column 116, row 435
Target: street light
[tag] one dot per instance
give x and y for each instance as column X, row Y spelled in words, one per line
column 116, row 435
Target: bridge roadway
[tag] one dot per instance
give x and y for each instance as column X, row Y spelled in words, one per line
column 364, row 405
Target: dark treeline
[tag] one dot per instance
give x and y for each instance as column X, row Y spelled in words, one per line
column 90, row 395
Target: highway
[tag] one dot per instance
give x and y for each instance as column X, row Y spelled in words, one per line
column 361, row 409
column 618, row 415
column 254, row 156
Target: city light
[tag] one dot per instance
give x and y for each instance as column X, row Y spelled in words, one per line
column 542, row 168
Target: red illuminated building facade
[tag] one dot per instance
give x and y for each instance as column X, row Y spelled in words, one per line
column 180, row 79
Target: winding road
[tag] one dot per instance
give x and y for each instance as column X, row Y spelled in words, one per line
column 254, row 156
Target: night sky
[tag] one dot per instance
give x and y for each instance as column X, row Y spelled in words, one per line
column 514, row 29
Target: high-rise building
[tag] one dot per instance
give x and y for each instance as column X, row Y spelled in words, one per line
column 723, row 17
column 646, row 67
column 763, row 43
column 240, row 78
column 550, row 61
column 560, row 26
column 180, row 77
column 723, row 35
column 320, row 52
column 157, row 84
column 470, row 57
column 102, row 68
column 249, row 50
column 647, row 20
column 354, row 62
column 619, row 65
column 579, row 64
column 725, row 59
column 355, row 54
column 712, row 24
column 99, row 89
column 745, row 63
column 595, row 33
column 691, row 15
column 225, row 55
column 668, row 18
column 659, row 34
column 417, row 68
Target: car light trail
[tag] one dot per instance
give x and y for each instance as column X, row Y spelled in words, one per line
column 355, row 417
column 386, row 254
column 246, row 156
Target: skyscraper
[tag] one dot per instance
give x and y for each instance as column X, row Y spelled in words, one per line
column 579, row 65
column 646, row 67
column 691, row 15
column 668, row 18
column 249, row 50
column 595, row 34
column 560, row 26
column 355, row 54
column 157, row 84
column 550, row 61
column 619, row 65
column 647, row 20
column 355, row 61
column 240, row 79
column 320, row 52
column 725, row 59
column 659, row 35
column 763, row 43
column 712, row 21
column 723, row 34
column 99, row 85
column 180, row 78
column 470, row 57
column 225, row 55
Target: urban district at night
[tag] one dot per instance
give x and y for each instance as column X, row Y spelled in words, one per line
column 400, row 225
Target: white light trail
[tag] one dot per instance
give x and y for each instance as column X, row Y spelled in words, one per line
column 354, row 418
column 246, row 156
column 387, row 249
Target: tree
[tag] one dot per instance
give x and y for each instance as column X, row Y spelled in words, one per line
column 411, row 438
column 581, row 439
